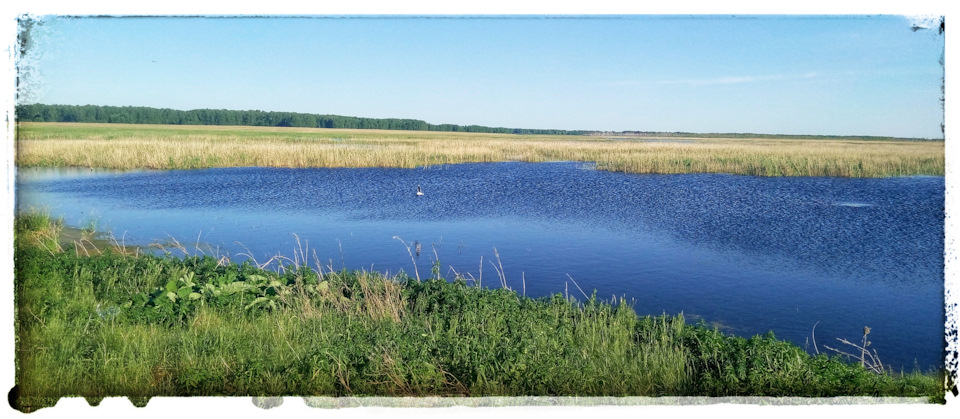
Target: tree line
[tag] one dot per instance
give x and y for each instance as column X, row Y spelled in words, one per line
column 146, row 115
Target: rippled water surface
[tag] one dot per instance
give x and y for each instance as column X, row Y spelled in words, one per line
column 746, row 254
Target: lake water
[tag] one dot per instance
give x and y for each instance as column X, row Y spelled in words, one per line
column 745, row 254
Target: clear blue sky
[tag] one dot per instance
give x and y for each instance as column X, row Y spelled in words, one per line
column 766, row 74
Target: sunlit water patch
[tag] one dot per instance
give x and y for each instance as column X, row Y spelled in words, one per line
column 748, row 254
column 854, row 204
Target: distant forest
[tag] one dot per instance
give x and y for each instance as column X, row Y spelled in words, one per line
column 145, row 115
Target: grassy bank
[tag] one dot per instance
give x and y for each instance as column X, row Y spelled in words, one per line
column 122, row 146
column 110, row 324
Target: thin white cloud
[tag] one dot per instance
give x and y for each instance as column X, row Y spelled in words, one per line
column 717, row 81
column 737, row 79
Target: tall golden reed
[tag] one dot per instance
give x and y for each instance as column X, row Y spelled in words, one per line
column 121, row 146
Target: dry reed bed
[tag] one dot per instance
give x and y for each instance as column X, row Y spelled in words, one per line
column 119, row 146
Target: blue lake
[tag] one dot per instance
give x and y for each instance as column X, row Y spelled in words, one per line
column 745, row 254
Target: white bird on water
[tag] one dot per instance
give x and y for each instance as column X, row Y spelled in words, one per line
column 419, row 191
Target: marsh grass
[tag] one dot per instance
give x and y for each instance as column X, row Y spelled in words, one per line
column 120, row 146
column 36, row 228
column 104, row 325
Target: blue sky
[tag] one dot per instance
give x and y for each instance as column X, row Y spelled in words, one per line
column 838, row 75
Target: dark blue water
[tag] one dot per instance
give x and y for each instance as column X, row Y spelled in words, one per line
column 746, row 254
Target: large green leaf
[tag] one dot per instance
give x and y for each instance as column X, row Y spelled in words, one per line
column 188, row 279
column 140, row 299
column 234, row 287
column 256, row 302
column 184, row 291
column 211, row 290
column 256, row 278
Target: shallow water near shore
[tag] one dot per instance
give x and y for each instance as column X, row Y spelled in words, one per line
column 746, row 254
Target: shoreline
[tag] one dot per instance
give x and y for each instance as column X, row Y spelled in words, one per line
column 159, row 325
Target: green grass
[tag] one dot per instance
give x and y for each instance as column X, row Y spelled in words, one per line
column 141, row 326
